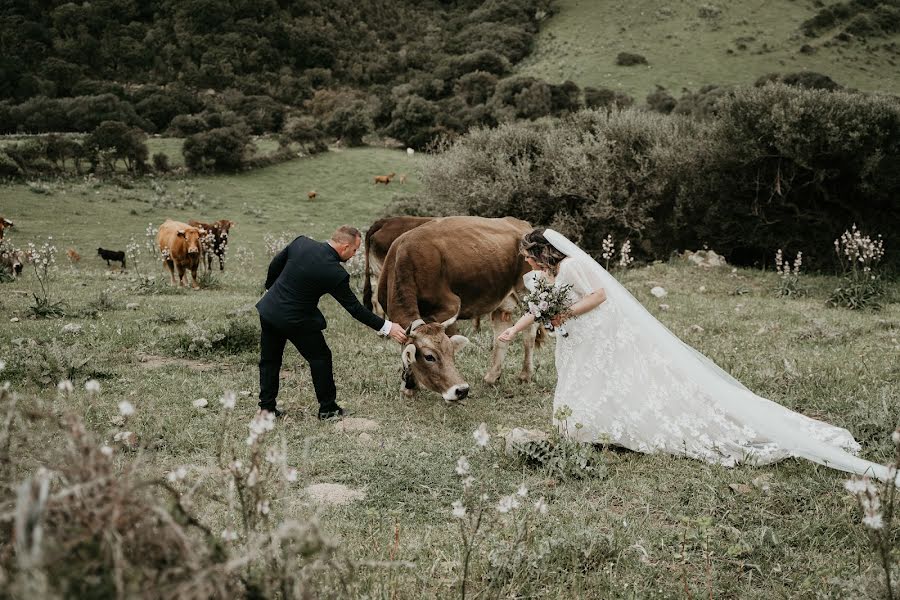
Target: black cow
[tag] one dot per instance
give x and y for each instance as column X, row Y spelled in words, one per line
column 112, row 255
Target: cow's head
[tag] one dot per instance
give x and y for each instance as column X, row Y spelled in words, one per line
column 428, row 360
column 191, row 237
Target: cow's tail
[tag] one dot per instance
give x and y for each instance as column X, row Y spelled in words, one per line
column 541, row 336
column 367, row 272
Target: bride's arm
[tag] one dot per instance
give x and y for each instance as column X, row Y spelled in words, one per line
column 586, row 304
column 524, row 322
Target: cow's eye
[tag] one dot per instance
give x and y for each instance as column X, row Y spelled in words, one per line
column 429, row 358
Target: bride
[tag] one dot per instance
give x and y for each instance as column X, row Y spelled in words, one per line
column 624, row 379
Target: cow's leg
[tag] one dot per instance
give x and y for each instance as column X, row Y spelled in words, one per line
column 222, row 261
column 170, row 267
column 181, row 271
column 500, row 321
column 528, row 364
column 194, row 267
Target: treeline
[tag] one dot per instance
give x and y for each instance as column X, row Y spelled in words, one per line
column 771, row 167
column 407, row 69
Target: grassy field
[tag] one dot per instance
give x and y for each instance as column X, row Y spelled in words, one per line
column 639, row 527
column 684, row 50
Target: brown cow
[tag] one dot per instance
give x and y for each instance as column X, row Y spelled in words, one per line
column 11, row 260
column 453, row 268
column 214, row 240
column 73, row 255
column 179, row 245
column 311, row 194
column 5, row 224
column 385, row 179
column 379, row 238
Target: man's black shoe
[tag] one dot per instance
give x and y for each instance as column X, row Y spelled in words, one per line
column 331, row 413
column 279, row 414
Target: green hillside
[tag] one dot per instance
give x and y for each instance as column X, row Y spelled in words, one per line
column 692, row 43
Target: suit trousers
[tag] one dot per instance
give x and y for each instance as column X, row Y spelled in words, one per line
column 312, row 346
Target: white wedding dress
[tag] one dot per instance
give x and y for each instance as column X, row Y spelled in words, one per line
column 629, row 381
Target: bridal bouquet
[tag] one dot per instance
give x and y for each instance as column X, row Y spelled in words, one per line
column 547, row 301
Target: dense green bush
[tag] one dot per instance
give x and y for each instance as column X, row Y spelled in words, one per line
column 774, row 166
column 606, row 98
column 112, row 141
column 222, row 149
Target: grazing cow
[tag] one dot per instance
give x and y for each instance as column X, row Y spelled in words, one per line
column 214, row 238
column 311, row 194
column 73, row 255
column 385, row 179
column 179, row 245
column 11, row 261
column 448, row 269
column 111, row 255
column 5, row 224
column 379, row 238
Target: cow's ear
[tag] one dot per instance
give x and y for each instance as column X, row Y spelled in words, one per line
column 181, row 233
column 459, row 342
column 409, row 355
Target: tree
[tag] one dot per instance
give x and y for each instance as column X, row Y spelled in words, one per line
column 112, row 141
column 221, row 149
column 350, row 123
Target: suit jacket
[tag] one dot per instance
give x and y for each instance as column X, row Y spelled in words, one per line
column 298, row 277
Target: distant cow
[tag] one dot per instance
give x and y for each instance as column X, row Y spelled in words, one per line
column 385, row 179
column 5, row 224
column 311, row 194
column 11, row 261
column 448, row 269
column 402, row 178
column 379, row 238
column 73, row 255
column 111, row 255
column 214, row 238
column 179, row 245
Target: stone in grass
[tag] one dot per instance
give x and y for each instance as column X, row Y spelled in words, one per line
column 659, row 292
column 354, row 424
column 132, row 306
column 335, row 494
column 704, row 258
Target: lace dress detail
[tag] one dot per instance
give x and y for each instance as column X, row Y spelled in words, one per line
column 621, row 389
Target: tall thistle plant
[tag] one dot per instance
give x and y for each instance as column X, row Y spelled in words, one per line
column 859, row 256
column 43, row 264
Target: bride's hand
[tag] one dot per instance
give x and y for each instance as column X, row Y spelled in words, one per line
column 507, row 335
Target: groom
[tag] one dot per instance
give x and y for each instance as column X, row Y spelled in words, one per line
column 298, row 276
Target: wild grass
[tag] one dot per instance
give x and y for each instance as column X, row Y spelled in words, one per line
column 687, row 45
column 651, row 526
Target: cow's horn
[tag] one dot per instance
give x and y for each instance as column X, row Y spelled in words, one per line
column 449, row 321
column 414, row 325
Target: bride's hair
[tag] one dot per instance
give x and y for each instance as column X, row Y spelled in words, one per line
column 535, row 245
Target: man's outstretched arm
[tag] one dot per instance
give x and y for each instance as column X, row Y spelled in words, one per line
column 345, row 296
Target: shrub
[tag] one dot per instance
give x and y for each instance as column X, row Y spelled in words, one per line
column 161, row 162
column 476, row 87
column 413, row 121
column 606, row 98
column 220, row 149
column 661, row 101
column 112, row 141
column 350, row 123
column 628, row 59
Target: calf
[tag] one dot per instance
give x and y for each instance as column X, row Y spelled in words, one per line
column 111, row 255
column 73, row 255
column 11, row 261
column 311, row 194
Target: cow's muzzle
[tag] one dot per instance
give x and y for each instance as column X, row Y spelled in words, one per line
column 193, row 250
column 457, row 392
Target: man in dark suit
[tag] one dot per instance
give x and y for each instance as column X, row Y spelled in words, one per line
column 298, row 277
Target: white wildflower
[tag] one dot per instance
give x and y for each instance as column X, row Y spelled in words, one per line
column 481, row 435
column 92, row 386
column 856, row 485
column 228, row 535
column 507, row 503
column 291, row 475
column 260, row 425
column 236, row 467
column 228, row 400
column 252, row 477
column 2, row 364
column 65, row 387
column 522, row 491
column 468, row 481
column 895, row 437
column 262, row 507
column 200, row 403
column 275, row 456
column 873, row 521
column 540, row 506
column 126, row 408
column 459, row 511
column 106, row 450
column 178, row 474
column 462, row 466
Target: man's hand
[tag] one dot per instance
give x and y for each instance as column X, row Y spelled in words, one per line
column 507, row 335
column 397, row 334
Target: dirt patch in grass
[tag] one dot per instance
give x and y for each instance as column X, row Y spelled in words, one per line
column 154, row 361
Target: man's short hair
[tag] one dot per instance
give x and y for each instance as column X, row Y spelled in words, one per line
column 345, row 234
